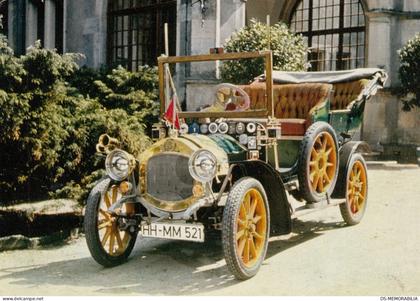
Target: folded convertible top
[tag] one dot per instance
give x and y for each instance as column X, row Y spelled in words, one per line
column 330, row 77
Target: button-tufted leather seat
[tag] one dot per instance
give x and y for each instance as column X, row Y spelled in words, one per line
column 293, row 103
column 345, row 93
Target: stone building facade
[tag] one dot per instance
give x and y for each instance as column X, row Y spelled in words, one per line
column 341, row 33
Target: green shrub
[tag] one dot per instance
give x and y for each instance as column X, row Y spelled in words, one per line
column 80, row 159
column 289, row 51
column 50, row 123
column 46, row 67
column 83, row 81
column 11, row 68
column 409, row 73
column 32, row 121
column 134, row 92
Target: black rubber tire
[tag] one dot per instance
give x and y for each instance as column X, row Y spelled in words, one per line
column 229, row 228
column 349, row 217
column 91, row 231
column 305, row 190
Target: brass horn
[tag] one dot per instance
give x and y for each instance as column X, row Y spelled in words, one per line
column 100, row 148
column 106, row 144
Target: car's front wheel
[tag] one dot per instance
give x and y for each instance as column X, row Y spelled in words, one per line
column 108, row 245
column 245, row 228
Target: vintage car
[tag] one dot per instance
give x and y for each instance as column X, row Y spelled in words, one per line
column 238, row 164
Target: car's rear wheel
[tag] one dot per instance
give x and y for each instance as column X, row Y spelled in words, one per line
column 318, row 162
column 108, row 245
column 354, row 208
column 246, row 228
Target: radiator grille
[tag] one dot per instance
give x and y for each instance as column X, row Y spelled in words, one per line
column 168, row 177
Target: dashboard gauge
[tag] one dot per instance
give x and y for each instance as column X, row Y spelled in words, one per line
column 240, row 128
column 223, row 128
column 252, row 142
column 251, row 128
column 183, row 129
column 232, row 128
column 194, row 128
column 243, row 139
column 204, row 128
column 213, row 128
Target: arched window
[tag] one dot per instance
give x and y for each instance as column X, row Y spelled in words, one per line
column 334, row 31
column 135, row 31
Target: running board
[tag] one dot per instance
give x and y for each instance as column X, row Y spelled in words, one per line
column 314, row 207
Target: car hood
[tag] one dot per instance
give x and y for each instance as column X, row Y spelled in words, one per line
column 225, row 148
column 234, row 150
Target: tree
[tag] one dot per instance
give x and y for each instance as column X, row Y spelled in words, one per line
column 409, row 73
column 289, row 51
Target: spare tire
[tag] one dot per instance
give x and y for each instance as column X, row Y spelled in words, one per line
column 318, row 162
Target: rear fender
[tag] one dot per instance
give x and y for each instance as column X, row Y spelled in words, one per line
column 345, row 153
column 270, row 179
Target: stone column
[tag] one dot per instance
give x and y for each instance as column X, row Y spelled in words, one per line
column 203, row 35
column 31, row 26
column 101, row 8
column 221, row 19
column 217, row 27
column 16, row 25
column 183, row 30
column 49, row 24
column 375, row 129
column 64, row 26
column 379, row 41
column 232, row 18
column 85, row 30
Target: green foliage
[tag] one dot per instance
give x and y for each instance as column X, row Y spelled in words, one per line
column 409, row 73
column 11, row 69
column 46, row 68
column 52, row 115
column 134, row 92
column 289, row 51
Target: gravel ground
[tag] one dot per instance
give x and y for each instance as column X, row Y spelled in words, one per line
column 322, row 256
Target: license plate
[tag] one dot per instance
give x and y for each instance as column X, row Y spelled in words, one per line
column 191, row 232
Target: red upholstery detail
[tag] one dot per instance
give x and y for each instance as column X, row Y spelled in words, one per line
column 290, row 101
column 345, row 93
column 293, row 127
column 293, row 103
column 257, row 95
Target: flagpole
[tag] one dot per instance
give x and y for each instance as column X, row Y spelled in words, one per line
column 166, row 39
column 167, row 83
column 169, row 77
column 269, row 32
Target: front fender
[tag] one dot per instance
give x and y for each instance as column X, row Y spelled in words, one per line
column 279, row 206
column 100, row 186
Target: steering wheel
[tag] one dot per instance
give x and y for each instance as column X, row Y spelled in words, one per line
column 232, row 97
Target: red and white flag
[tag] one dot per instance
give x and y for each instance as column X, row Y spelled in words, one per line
column 171, row 114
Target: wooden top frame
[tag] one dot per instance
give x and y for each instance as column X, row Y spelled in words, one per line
column 268, row 58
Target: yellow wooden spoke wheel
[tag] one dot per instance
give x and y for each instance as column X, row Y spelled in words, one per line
column 318, row 162
column 245, row 228
column 114, row 241
column 108, row 244
column 251, row 227
column 356, row 190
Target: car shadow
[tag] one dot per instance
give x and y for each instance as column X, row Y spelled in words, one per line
column 156, row 267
